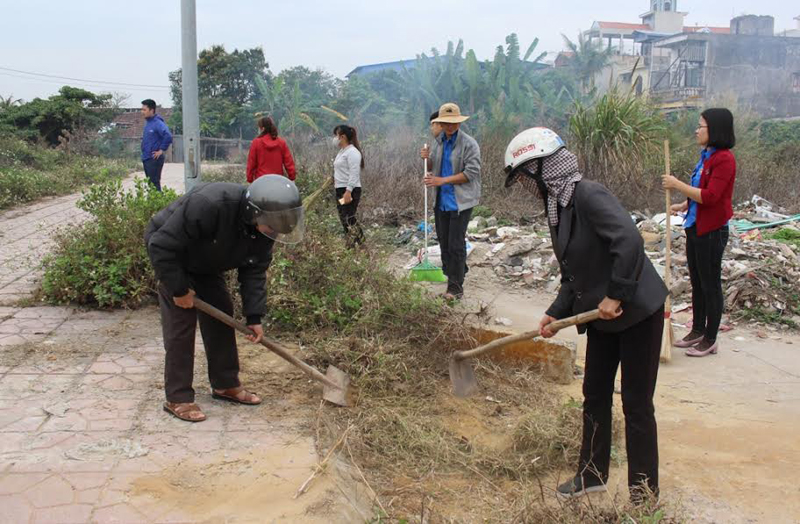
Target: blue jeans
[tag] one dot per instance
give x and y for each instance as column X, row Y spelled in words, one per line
column 152, row 168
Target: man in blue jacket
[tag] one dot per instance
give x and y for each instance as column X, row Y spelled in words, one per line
column 156, row 138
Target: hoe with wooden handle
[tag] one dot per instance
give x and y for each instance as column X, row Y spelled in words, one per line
column 462, row 376
column 335, row 382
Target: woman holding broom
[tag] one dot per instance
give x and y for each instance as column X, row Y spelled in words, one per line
column 708, row 208
column 603, row 265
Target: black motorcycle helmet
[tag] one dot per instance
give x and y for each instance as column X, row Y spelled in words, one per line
column 274, row 201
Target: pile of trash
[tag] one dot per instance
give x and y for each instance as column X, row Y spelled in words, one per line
column 761, row 266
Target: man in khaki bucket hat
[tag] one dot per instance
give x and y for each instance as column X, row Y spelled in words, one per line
column 455, row 170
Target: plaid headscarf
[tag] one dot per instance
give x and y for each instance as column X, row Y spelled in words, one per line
column 559, row 174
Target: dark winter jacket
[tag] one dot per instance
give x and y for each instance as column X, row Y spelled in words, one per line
column 601, row 254
column 156, row 136
column 204, row 233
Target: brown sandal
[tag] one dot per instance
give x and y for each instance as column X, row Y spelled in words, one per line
column 185, row 411
column 237, row 395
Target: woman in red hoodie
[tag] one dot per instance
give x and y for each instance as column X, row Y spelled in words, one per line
column 708, row 209
column 269, row 154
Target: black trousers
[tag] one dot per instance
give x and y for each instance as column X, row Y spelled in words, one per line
column 638, row 349
column 348, row 216
column 704, row 257
column 152, row 168
column 451, row 228
column 178, row 326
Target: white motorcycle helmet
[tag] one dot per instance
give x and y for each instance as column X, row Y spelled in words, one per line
column 536, row 142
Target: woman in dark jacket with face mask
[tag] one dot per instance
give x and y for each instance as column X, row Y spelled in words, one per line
column 603, row 265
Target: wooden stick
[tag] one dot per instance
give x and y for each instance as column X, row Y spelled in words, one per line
column 270, row 344
column 582, row 318
column 311, row 199
column 666, row 339
column 363, row 478
column 302, row 489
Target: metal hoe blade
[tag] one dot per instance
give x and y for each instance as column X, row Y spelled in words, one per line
column 341, row 395
column 462, row 377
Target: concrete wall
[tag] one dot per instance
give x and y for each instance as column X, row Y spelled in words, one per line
column 757, row 69
column 753, row 25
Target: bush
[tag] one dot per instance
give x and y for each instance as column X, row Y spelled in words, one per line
column 103, row 262
column 617, row 140
column 29, row 172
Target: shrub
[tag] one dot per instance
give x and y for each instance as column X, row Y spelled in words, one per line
column 103, row 262
column 29, row 172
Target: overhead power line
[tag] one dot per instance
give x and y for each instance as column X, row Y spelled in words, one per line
column 84, row 80
column 61, row 82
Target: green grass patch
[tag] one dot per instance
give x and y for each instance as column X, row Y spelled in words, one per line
column 787, row 236
column 29, row 172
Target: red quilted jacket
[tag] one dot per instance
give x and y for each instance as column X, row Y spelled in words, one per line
column 716, row 190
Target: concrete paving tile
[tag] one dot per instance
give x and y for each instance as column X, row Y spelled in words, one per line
column 44, row 312
column 14, row 509
column 119, row 514
column 88, row 496
column 105, row 368
column 13, row 442
column 68, row 514
column 27, row 424
column 111, row 497
column 144, row 464
column 86, row 481
column 111, row 424
column 8, row 311
column 11, row 483
column 7, row 340
column 53, row 491
column 56, row 439
column 69, row 422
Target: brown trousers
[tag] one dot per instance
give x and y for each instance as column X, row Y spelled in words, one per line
column 179, row 325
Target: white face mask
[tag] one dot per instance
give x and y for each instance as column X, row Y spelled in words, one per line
column 335, row 140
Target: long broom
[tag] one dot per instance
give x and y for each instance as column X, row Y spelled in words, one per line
column 668, row 335
column 425, row 271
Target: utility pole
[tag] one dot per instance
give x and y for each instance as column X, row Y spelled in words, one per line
column 191, row 111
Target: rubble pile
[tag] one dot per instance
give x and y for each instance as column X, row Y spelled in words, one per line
column 761, row 266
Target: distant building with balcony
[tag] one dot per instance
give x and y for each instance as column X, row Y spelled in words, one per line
column 751, row 64
column 686, row 67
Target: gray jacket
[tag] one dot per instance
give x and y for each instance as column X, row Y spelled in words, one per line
column 466, row 158
column 601, row 253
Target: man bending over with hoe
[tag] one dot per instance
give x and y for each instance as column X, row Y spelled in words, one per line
column 192, row 242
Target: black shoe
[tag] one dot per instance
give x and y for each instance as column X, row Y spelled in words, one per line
column 580, row 486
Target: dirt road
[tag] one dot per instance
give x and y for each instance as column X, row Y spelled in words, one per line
column 728, row 424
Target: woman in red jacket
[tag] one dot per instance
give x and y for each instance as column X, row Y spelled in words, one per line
column 269, row 154
column 708, row 209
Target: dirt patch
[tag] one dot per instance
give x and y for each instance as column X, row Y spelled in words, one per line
column 258, row 486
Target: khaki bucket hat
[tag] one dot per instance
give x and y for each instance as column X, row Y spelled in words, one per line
column 450, row 113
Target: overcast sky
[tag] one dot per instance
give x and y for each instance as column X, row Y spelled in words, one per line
column 139, row 42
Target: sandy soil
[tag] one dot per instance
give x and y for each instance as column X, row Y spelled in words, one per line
column 728, row 424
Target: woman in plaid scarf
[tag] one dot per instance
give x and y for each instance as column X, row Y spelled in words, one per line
column 603, row 266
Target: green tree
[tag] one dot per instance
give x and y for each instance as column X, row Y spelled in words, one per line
column 71, row 109
column 226, row 84
column 9, row 102
column 588, row 60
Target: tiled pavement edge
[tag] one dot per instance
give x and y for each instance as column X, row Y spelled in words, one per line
column 81, row 421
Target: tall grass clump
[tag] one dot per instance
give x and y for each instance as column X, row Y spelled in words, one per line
column 618, row 140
